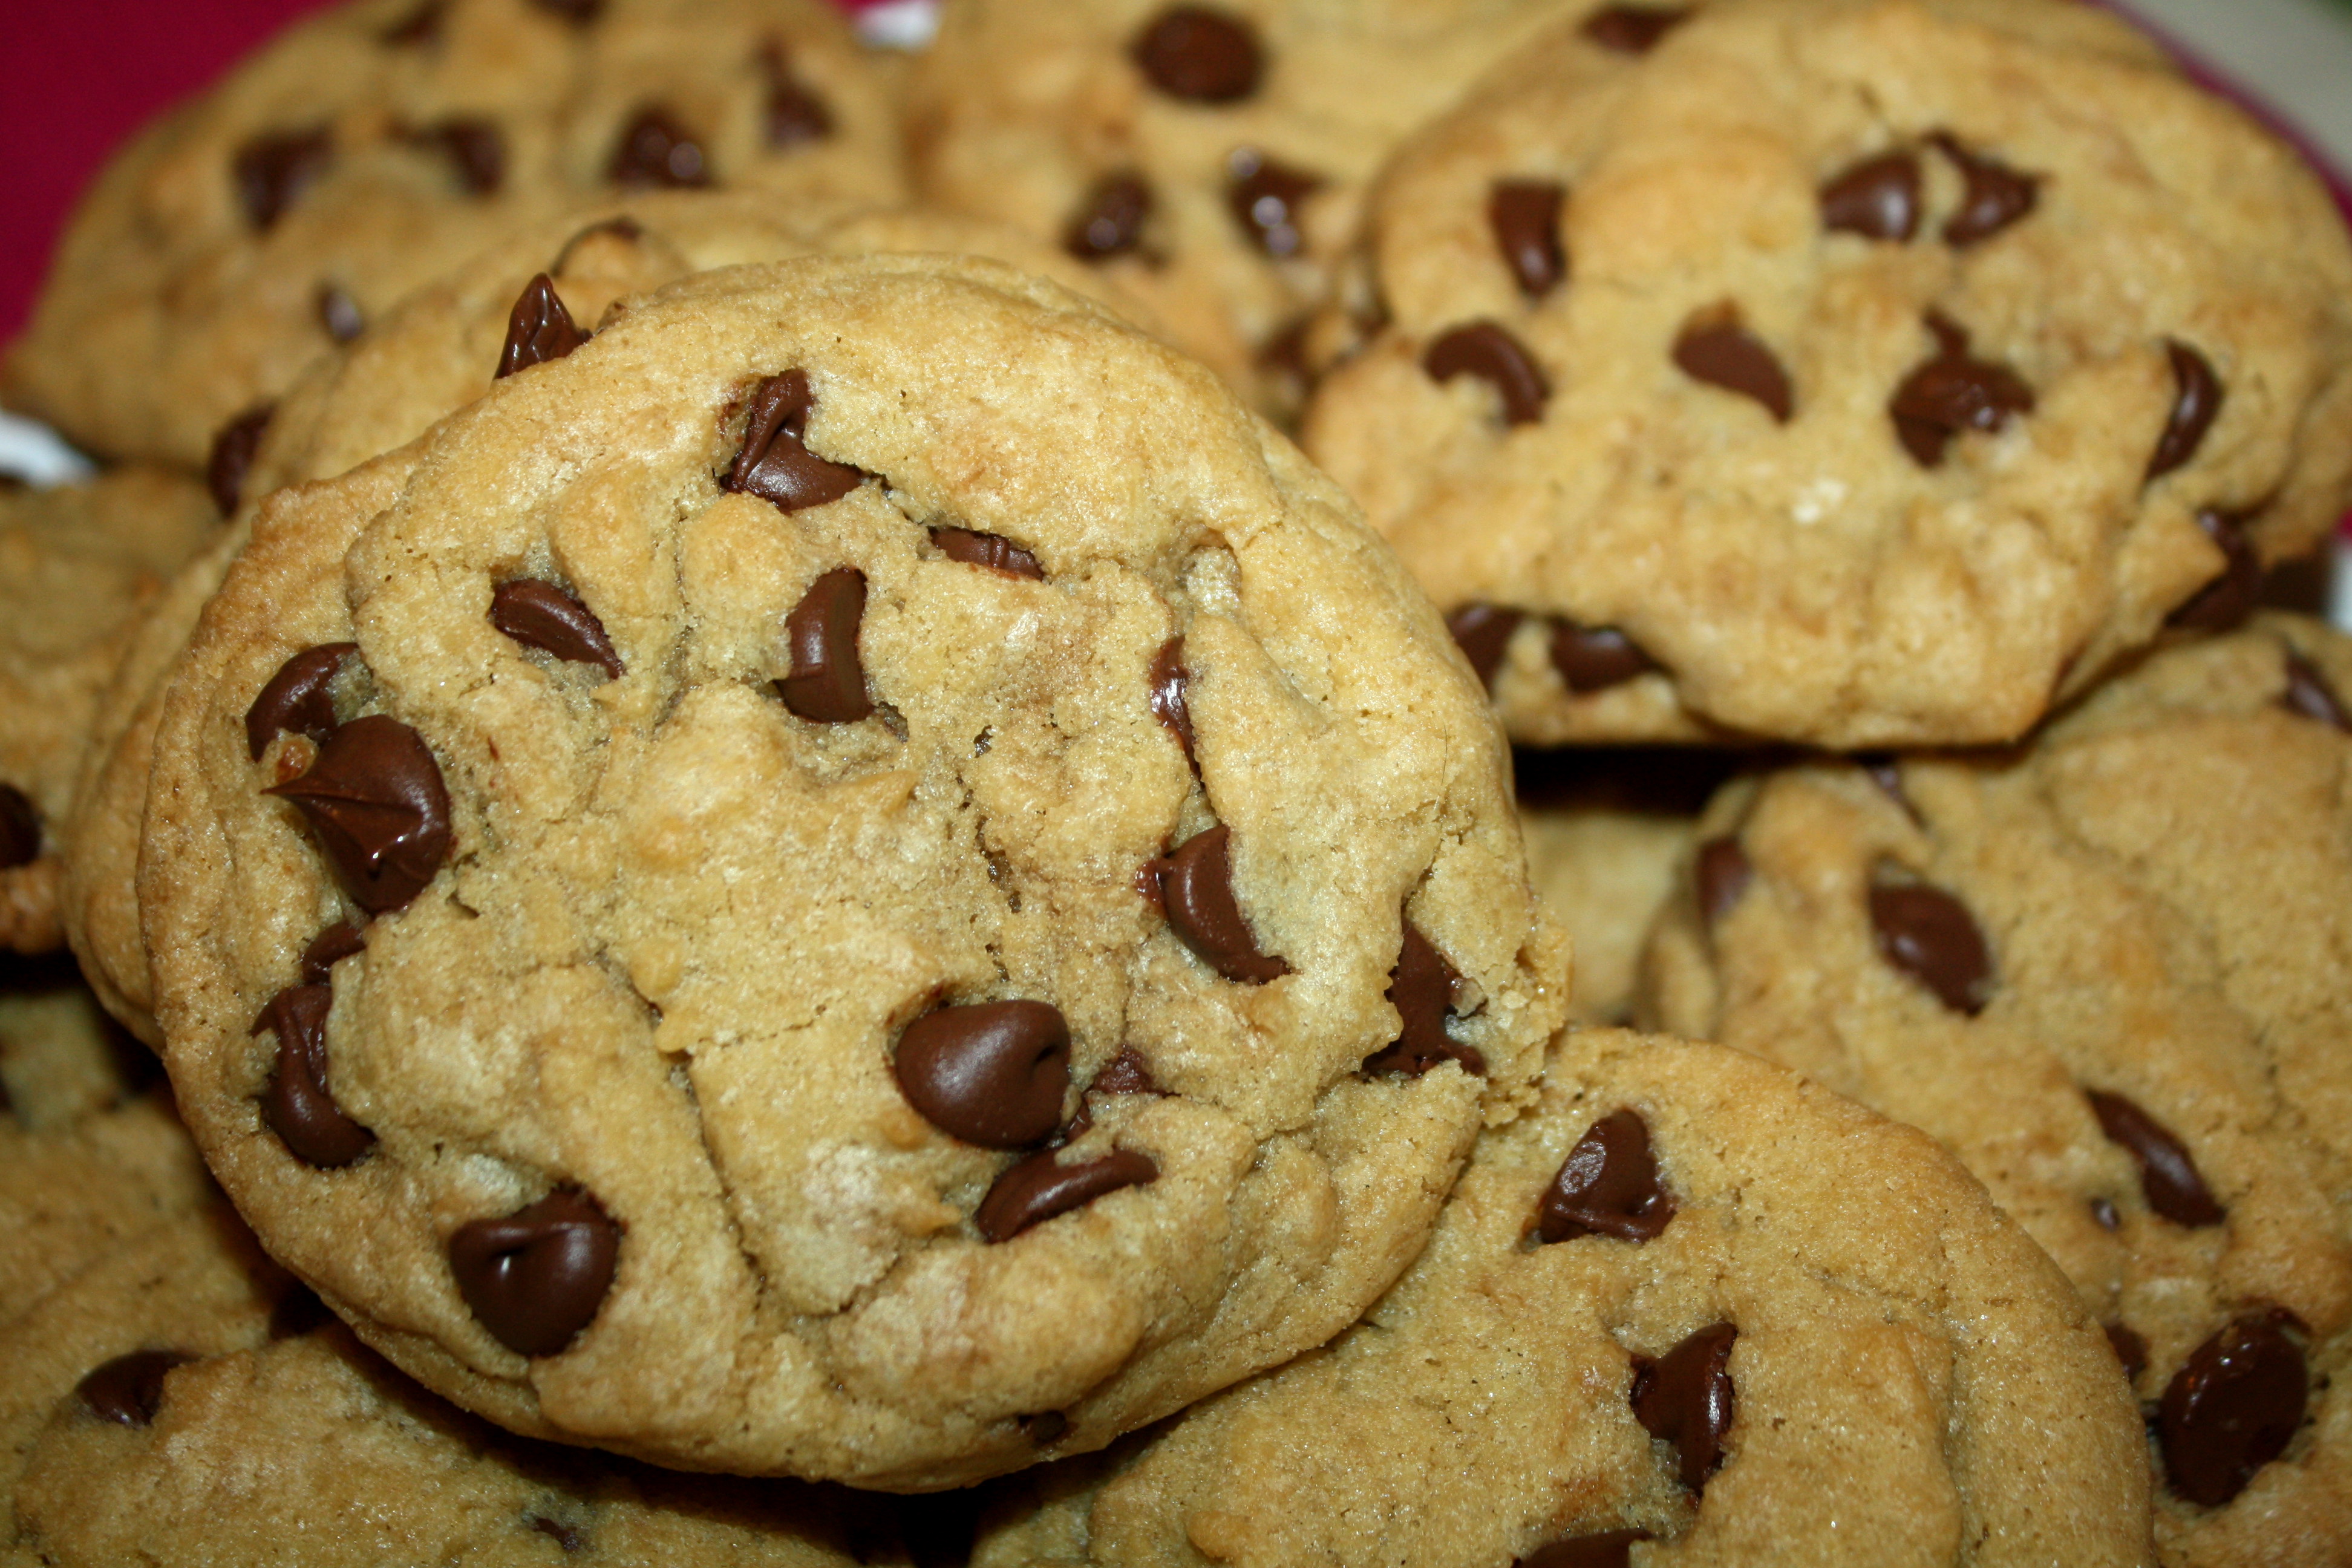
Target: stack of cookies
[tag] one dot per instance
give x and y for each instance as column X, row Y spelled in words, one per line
column 806, row 897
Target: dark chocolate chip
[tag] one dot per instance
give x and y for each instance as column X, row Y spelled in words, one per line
column 1926, row 933
column 1265, row 197
column 1199, row 55
column 474, row 148
column 1196, row 887
column 2232, row 596
column 827, row 685
column 299, row 1311
column 1997, row 195
column 1045, row 1429
column 796, row 115
column 339, row 942
column 339, row 314
column 1037, row 1189
column 579, row 12
column 20, row 828
column 539, row 329
column 1877, row 198
column 374, row 799
column 2168, row 1174
column 1593, row 658
column 990, row 1073
column 571, row 1539
column 297, row 697
column 542, row 616
column 1125, row 1073
column 1525, row 216
column 272, row 171
column 1167, row 680
column 2231, row 1408
column 2309, row 696
column 2196, row 399
column 1485, row 350
column 1685, row 1397
column 2104, row 1215
column 1608, row 1185
column 1109, row 221
column 129, row 1389
column 1421, row 988
column 2130, row 1348
column 773, row 464
column 656, row 150
column 1721, row 353
column 1721, row 872
column 231, row 455
column 1609, row 1549
column 992, row 551
column 1483, row 632
column 1634, row 29
column 537, row 1277
column 298, row 1104
column 1952, row 393
column 422, row 26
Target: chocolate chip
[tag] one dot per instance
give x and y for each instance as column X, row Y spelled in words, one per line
column 1997, row 197
column 2231, row 1408
column 2131, row 1349
column 572, row 1542
column 1483, row 632
column 1485, row 350
column 537, row 1277
column 1593, row 658
column 1634, row 29
column 1686, row 1398
column 539, row 329
column 1721, row 872
column 1924, row 932
column 2104, row 1214
column 474, row 149
column 1609, row 1549
column 1952, row 393
column 298, row 1104
column 272, row 171
column 772, row 463
column 129, row 1389
column 2168, row 1174
column 1421, row 988
column 297, row 697
column 1199, row 55
column 1608, row 1185
column 1167, row 680
column 1125, row 1073
column 1196, row 887
column 422, row 26
column 992, row 551
column 1720, row 351
column 1037, row 1189
column 542, row 616
column 232, row 455
column 795, row 114
column 1525, row 216
column 2232, row 596
column 1265, row 197
column 579, row 12
column 2309, row 696
column 339, row 314
column 2196, row 399
column 374, row 799
column 656, row 150
column 330, row 947
column 1109, row 221
column 1878, row 198
column 1045, row 1429
column 990, row 1073
column 827, row 685
column 298, row 1312
column 20, row 828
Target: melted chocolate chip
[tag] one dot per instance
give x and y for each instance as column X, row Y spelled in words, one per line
column 128, row 1390
column 773, row 464
column 330, row 947
column 1593, row 658
column 795, row 114
column 537, row 1277
column 542, row 616
column 1952, row 393
column 2232, row 596
column 2231, row 1408
column 1421, row 988
column 539, row 329
column 1997, row 195
column 2131, row 1349
column 1721, row 872
column 271, row 171
column 579, row 12
column 1483, row 632
column 1926, row 933
column 1109, row 221
column 990, row 1073
column 1608, row 1185
column 991, row 551
column 572, row 1541
column 1877, row 198
column 2104, row 1216
column 1634, row 29
column 1125, row 1073
column 1037, row 1189
column 1525, row 216
column 1485, row 350
column 1196, row 887
column 339, row 314
column 2195, row 400
column 1167, row 680
column 1609, row 1549
column 297, row 697
column 1199, row 55
column 298, row 1104
column 20, row 829
column 1721, row 353
column 374, row 798
column 657, row 152
column 2309, row 696
column 231, row 455
column 1686, row 1398
column 422, row 26
column 2168, row 1174
column 1265, row 197
column 827, row 685
column 476, row 150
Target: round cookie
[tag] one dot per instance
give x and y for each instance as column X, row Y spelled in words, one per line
column 654, row 1081
column 366, row 149
column 1211, row 158
column 2113, row 971
column 1691, row 1296
column 1863, row 373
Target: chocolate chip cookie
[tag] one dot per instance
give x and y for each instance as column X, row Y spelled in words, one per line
column 1690, row 1299
column 1863, row 373
column 368, row 149
column 2113, row 971
column 864, row 875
